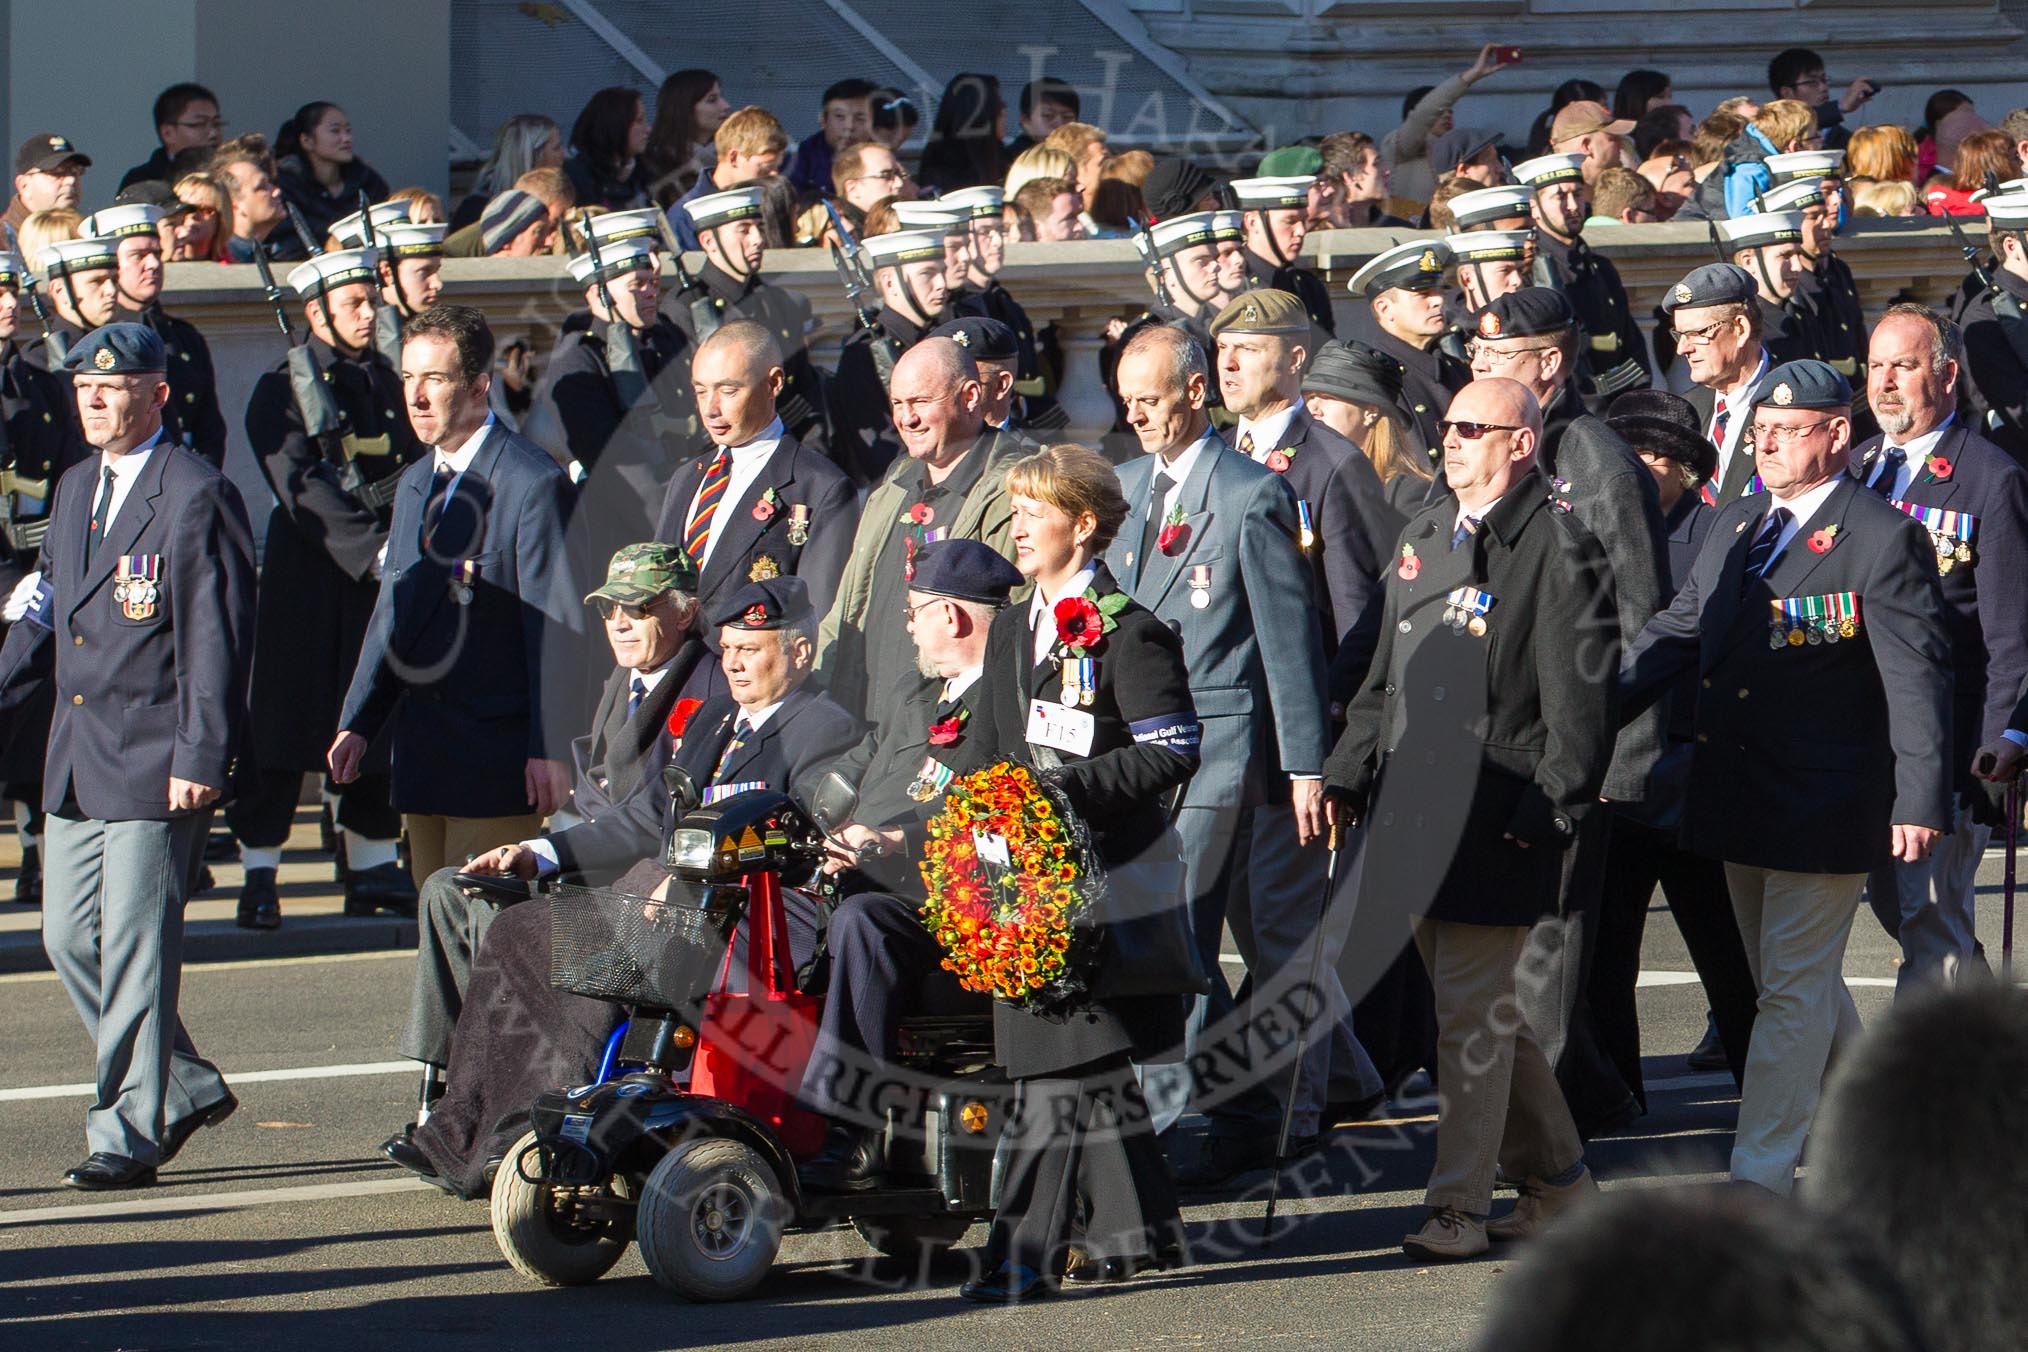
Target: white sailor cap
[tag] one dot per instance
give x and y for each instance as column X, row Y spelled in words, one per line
column 136, row 218
column 1490, row 246
column 720, row 208
column 2011, row 186
column 1415, row 265
column 67, row 256
column 330, row 270
column 350, row 231
column 1794, row 195
column 1544, row 170
column 1178, row 233
column 1271, row 194
column 1491, row 204
column 1805, row 164
column 614, row 259
column 1759, row 231
column 12, row 271
column 1228, row 225
column 903, row 246
column 614, row 226
column 2007, row 211
column 931, row 216
column 405, row 239
column 985, row 200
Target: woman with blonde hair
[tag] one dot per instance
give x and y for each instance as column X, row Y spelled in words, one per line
column 1356, row 392
column 200, row 235
column 1080, row 1123
column 1037, row 162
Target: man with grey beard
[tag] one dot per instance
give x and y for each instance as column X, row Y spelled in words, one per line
column 1973, row 500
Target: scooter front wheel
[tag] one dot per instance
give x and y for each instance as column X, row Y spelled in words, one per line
column 710, row 1219
column 540, row 1240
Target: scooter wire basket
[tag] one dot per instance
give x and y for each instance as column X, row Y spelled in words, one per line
column 634, row 950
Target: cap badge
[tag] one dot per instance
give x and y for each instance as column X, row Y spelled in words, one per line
column 961, row 338
column 1429, row 262
column 624, row 568
column 104, row 359
column 756, row 614
column 1683, row 293
column 1489, row 325
column 1783, row 394
column 58, row 143
column 1251, row 314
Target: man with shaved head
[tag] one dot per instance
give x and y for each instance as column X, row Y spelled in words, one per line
column 756, row 503
column 1474, row 749
column 947, row 485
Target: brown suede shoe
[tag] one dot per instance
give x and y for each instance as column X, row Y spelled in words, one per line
column 1447, row 1234
column 1539, row 1204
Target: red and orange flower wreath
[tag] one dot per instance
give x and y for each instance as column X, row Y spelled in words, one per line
column 1011, row 930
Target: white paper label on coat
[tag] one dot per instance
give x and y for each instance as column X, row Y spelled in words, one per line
column 992, row 849
column 1059, row 726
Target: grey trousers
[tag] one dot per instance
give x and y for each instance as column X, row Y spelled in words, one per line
column 1929, row 906
column 1273, row 911
column 112, row 924
column 449, row 926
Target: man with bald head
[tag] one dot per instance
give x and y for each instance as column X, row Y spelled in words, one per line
column 947, row 485
column 1474, row 750
column 756, row 503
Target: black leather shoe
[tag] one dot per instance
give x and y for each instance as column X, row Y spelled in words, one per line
column 403, row 1150
column 1007, row 1285
column 179, row 1132
column 105, row 1172
column 221, row 848
column 849, row 1162
column 384, row 887
column 260, row 905
column 28, row 882
column 1106, row 1271
column 327, row 830
column 1224, row 1158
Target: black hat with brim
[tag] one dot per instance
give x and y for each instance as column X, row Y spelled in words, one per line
column 1667, row 425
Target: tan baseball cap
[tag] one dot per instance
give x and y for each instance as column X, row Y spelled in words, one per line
column 1582, row 118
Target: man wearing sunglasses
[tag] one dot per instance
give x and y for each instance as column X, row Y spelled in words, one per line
column 1479, row 741
column 1815, row 621
column 1532, row 336
column 1713, row 318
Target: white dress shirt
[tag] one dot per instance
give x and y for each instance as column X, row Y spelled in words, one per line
column 1179, row 469
column 1803, row 507
column 1042, row 612
column 955, row 686
column 1917, row 450
column 747, row 460
column 460, row 460
column 126, row 469
column 1738, row 409
column 1266, row 431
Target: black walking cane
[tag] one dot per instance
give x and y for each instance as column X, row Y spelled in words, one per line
column 1267, row 1224
column 2007, row 896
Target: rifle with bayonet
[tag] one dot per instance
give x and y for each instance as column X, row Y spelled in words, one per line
column 302, row 228
column 1155, row 264
column 2007, row 307
column 23, row 537
column 704, row 319
column 317, row 406
column 387, row 320
column 52, row 341
column 858, row 286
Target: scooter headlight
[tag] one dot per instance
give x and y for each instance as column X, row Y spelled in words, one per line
column 690, row 851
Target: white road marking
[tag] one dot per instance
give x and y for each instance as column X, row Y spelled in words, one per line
column 340, row 1072
column 178, row 1202
column 248, row 965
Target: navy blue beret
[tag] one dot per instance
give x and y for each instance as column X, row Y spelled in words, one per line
column 966, row 570
column 1531, row 312
column 1712, row 284
column 985, row 339
column 1808, row 383
column 775, row 603
column 118, row 350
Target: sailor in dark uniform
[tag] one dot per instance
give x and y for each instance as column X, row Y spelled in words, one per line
column 1228, row 236
column 1490, row 264
column 411, row 268
column 1404, row 318
column 1613, row 356
column 1825, row 287
column 1769, row 245
column 620, row 392
column 993, row 347
column 79, row 286
column 39, row 440
column 1036, row 373
column 1995, row 322
column 192, row 418
column 729, row 286
column 1277, row 220
column 1184, row 260
column 908, row 270
column 320, row 578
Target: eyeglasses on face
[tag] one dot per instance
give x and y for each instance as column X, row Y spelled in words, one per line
column 884, row 176
column 202, row 124
column 1472, row 431
column 1499, row 356
column 1782, row 434
column 1701, row 337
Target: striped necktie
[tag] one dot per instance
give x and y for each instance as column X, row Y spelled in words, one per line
column 741, row 730
column 1761, row 553
column 1889, row 471
column 1246, row 444
column 708, row 493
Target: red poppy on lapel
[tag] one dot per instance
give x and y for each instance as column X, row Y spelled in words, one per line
column 1078, row 622
column 1821, row 541
column 679, row 717
column 1938, row 467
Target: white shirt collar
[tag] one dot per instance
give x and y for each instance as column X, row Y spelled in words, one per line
column 1805, row 507
column 130, row 464
column 1041, row 611
column 1179, row 469
column 957, row 685
column 650, row 679
column 763, row 444
column 758, row 718
column 1267, row 431
column 1474, row 516
column 1746, row 389
column 1917, row 450
column 461, row 459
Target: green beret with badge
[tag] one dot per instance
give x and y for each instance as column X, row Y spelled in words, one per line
column 1264, row 310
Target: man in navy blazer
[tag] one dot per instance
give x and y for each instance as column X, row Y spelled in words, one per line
column 1972, row 499
column 1814, row 620
column 758, row 504
column 475, row 653
column 143, row 622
